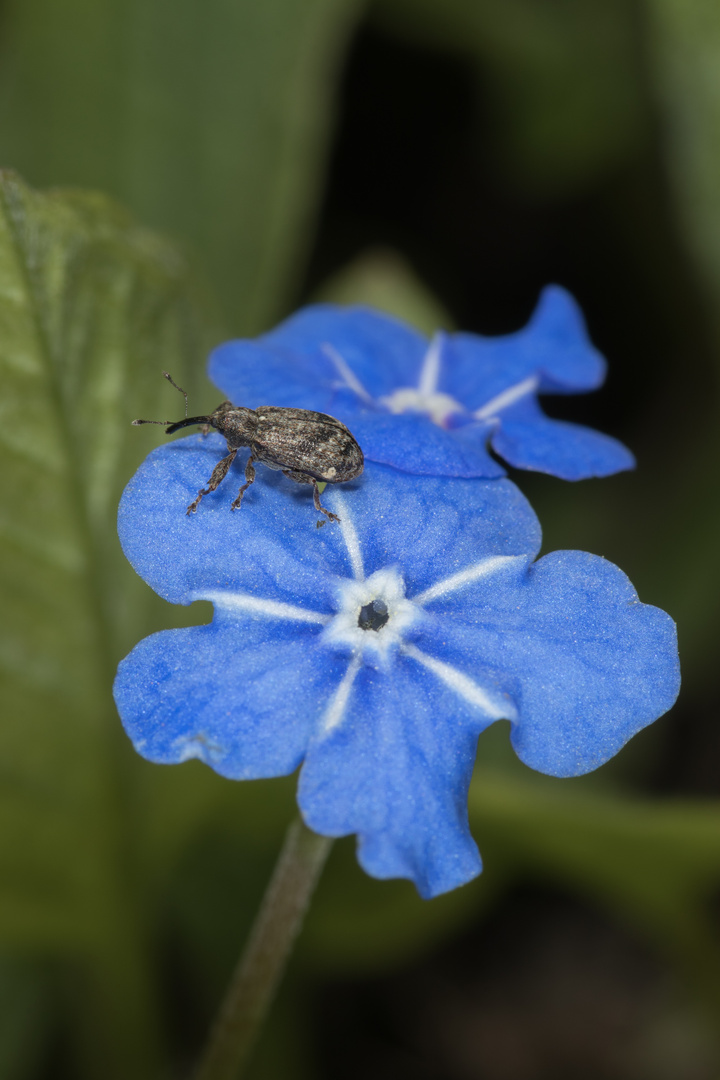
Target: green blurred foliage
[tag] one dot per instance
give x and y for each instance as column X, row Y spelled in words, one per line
column 212, row 122
column 26, row 1010
column 568, row 101
column 209, row 120
column 655, row 865
column 684, row 37
column 91, row 306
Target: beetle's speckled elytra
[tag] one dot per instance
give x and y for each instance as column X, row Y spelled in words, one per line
column 308, row 447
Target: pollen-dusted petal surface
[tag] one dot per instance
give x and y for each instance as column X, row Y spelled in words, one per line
column 433, row 407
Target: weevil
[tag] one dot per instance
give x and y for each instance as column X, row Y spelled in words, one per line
column 308, row 447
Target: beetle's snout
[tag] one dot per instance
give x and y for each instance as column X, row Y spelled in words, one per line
column 189, row 421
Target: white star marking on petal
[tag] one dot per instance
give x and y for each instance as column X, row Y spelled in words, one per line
column 349, row 534
column 430, row 370
column 348, row 376
column 197, row 746
column 507, row 398
column 255, row 605
column 425, row 398
column 438, row 407
column 375, row 645
column 464, row 687
column 336, row 709
column 482, row 569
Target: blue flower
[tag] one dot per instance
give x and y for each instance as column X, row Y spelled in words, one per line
column 373, row 652
column 433, row 408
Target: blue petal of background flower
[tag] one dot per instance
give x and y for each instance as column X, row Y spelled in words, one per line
column 432, row 408
column 384, row 721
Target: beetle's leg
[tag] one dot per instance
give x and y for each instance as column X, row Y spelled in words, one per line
column 249, row 479
column 218, row 475
column 319, row 507
column 304, row 478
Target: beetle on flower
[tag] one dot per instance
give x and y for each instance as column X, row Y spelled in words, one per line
column 434, row 408
column 375, row 654
column 308, row 447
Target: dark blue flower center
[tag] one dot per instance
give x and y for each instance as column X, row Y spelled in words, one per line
column 373, row 616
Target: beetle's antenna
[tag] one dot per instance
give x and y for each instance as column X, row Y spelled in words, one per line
column 170, row 379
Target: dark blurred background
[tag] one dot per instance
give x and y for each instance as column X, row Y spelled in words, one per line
column 443, row 161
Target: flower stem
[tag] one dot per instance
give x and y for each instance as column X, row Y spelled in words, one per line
column 268, row 948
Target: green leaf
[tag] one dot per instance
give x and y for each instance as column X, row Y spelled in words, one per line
column 92, row 308
column 209, row 120
column 685, row 41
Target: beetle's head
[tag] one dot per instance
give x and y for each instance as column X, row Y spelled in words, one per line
column 188, row 421
column 236, row 423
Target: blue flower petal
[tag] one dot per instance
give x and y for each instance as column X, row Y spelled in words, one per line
column 241, row 695
column 528, row 439
column 587, row 664
column 557, row 339
column 250, row 373
column 271, row 547
column 432, row 412
column 412, row 443
column 385, row 718
column 292, row 366
column 614, row 665
column 554, row 346
column 396, row 772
